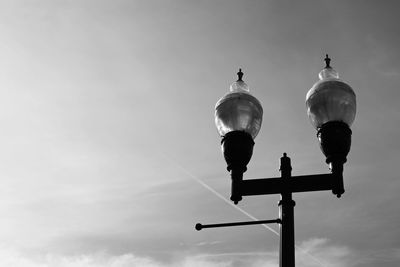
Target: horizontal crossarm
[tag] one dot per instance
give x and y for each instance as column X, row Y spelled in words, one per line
column 295, row 184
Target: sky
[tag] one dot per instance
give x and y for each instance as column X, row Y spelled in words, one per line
column 108, row 150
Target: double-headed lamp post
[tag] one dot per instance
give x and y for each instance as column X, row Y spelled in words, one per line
column 331, row 108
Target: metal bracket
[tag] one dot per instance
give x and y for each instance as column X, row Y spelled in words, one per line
column 200, row 226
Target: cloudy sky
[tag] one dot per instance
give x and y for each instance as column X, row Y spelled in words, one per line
column 108, row 150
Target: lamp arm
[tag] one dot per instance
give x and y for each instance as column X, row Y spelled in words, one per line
column 296, row 184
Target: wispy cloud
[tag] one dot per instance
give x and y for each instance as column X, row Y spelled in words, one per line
column 209, row 243
column 314, row 252
column 333, row 256
column 327, row 254
column 13, row 258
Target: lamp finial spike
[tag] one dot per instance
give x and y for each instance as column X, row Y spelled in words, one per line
column 327, row 62
column 240, row 75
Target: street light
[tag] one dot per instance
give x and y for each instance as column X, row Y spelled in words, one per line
column 238, row 117
column 331, row 108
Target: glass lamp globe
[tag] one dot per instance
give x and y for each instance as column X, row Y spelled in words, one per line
column 330, row 99
column 331, row 108
column 238, row 110
column 238, row 117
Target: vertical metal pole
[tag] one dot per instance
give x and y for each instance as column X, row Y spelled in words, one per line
column 237, row 177
column 286, row 214
column 336, row 167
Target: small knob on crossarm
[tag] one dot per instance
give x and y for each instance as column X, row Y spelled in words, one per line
column 198, row 226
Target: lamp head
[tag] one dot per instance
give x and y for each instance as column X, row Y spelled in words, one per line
column 238, row 118
column 331, row 108
column 330, row 99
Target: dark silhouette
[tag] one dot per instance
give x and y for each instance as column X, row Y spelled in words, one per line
column 327, row 62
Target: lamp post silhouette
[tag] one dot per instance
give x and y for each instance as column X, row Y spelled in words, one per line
column 331, row 108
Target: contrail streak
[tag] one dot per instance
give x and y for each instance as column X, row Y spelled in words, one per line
column 193, row 177
column 224, row 199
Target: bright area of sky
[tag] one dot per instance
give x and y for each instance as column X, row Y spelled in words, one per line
column 107, row 121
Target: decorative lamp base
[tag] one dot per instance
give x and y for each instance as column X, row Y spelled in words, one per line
column 237, row 147
column 335, row 142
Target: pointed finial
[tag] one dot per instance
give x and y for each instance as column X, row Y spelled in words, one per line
column 240, row 75
column 327, row 62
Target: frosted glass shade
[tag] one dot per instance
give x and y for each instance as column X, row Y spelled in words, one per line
column 330, row 99
column 238, row 111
